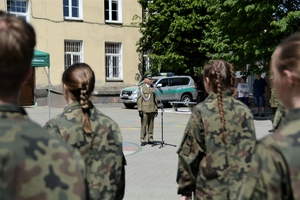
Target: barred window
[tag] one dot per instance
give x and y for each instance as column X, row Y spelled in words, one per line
column 73, row 53
column 113, row 61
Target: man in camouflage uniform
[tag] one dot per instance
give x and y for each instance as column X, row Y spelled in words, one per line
column 274, row 103
column 277, row 109
column 208, row 167
column 147, row 107
column 33, row 164
column 279, row 115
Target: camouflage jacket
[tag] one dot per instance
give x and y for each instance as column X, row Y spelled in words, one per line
column 279, row 115
column 275, row 168
column 102, row 151
column 147, row 99
column 33, row 163
column 208, row 167
column 274, row 102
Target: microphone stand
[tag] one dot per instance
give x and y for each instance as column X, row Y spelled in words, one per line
column 162, row 143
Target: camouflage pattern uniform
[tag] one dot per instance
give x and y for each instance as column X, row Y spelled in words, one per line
column 275, row 168
column 34, row 164
column 207, row 167
column 147, row 102
column 102, row 151
column 279, row 115
column 274, row 102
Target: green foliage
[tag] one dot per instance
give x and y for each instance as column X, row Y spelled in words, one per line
column 172, row 35
column 182, row 35
column 247, row 32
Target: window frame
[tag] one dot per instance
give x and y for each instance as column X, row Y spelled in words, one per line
column 147, row 61
column 73, row 53
column 69, row 17
column 119, row 11
column 25, row 15
column 109, row 68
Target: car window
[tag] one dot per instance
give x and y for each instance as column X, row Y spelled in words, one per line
column 175, row 81
column 185, row 81
column 179, row 81
column 164, row 82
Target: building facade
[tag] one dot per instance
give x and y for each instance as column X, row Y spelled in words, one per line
column 100, row 33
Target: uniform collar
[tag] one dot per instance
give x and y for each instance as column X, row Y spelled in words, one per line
column 292, row 115
column 8, row 107
column 76, row 104
column 224, row 94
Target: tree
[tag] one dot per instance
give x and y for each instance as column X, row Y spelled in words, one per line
column 172, row 35
column 247, row 32
column 182, row 35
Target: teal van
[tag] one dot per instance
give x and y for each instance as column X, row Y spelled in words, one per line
column 171, row 88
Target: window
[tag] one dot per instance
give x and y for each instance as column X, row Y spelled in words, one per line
column 113, row 11
column 175, row 81
column 113, row 61
column 73, row 53
column 147, row 62
column 73, row 9
column 149, row 9
column 185, row 81
column 179, row 81
column 19, row 8
column 164, row 82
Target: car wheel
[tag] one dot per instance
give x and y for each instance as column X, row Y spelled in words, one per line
column 129, row 105
column 186, row 98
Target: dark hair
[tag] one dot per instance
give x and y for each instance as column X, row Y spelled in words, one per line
column 222, row 77
column 17, row 42
column 244, row 77
column 289, row 56
column 79, row 80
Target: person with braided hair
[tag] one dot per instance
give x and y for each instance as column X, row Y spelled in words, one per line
column 275, row 167
column 95, row 135
column 218, row 140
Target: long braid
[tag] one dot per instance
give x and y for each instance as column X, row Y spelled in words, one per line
column 220, row 101
column 84, row 101
column 79, row 79
column 84, row 97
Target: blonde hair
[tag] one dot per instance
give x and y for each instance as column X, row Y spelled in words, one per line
column 222, row 77
column 79, row 80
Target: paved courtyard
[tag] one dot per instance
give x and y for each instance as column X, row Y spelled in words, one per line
column 150, row 171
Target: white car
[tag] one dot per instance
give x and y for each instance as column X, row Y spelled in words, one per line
column 168, row 88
